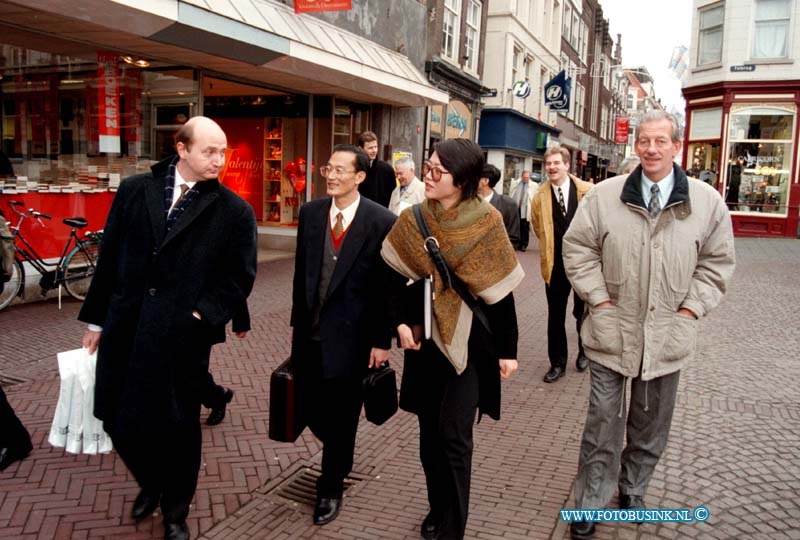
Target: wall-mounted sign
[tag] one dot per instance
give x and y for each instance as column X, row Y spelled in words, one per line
column 743, row 67
column 521, row 89
column 557, row 92
column 436, row 120
column 621, row 124
column 459, row 121
column 108, row 113
column 308, row 6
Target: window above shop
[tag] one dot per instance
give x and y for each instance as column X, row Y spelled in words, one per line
column 473, row 35
column 771, row 28
column 706, row 124
column 709, row 48
column 450, row 30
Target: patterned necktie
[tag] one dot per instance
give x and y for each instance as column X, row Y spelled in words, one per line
column 184, row 189
column 655, row 201
column 338, row 228
column 561, row 201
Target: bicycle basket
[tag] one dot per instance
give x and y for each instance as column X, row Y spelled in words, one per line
column 96, row 235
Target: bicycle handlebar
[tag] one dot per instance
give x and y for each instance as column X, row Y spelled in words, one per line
column 37, row 215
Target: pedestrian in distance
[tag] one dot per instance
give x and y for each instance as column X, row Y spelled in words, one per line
column 628, row 165
column 552, row 211
column 651, row 253
column 335, row 315
column 504, row 204
column 522, row 192
column 380, row 180
column 178, row 262
column 410, row 190
column 456, row 373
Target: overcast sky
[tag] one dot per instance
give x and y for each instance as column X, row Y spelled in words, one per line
column 650, row 30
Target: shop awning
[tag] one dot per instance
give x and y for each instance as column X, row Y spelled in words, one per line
column 261, row 40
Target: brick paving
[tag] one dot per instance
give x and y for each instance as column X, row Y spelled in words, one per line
column 734, row 447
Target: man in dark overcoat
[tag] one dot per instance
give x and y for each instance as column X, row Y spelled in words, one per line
column 177, row 261
column 381, row 179
column 504, row 204
column 336, row 315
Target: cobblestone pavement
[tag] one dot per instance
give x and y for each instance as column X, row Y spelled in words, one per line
column 734, row 446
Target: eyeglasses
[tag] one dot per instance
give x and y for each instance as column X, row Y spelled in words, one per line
column 327, row 170
column 435, row 171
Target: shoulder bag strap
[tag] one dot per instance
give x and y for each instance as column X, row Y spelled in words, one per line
column 449, row 277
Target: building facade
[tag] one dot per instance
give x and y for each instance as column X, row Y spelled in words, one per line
column 523, row 39
column 591, row 59
column 456, row 32
column 93, row 91
column 742, row 97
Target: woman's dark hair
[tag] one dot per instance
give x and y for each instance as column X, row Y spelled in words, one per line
column 464, row 159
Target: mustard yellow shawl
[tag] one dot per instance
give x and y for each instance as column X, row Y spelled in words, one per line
column 474, row 242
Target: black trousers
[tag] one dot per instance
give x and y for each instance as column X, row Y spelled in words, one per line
column 524, row 232
column 557, row 297
column 212, row 394
column 332, row 407
column 446, row 418
column 167, row 465
column 13, row 434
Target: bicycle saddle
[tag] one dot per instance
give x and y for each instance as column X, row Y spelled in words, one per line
column 78, row 222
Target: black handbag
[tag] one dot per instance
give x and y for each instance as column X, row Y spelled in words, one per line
column 286, row 421
column 380, row 394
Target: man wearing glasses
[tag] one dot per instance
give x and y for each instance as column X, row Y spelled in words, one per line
column 336, row 315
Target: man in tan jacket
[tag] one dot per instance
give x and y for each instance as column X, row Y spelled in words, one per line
column 650, row 253
column 552, row 210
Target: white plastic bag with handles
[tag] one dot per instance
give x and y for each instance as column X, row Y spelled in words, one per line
column 74, row 425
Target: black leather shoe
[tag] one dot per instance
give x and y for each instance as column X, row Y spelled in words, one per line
column 631, row 502
column 144, row 505
column 176, row 531
column 326, row 510
column 581, row 363
column 581, row 530
column 523, row 248
column 554, row 374
column 10, row 455
column 218, row 415
column 430, row 527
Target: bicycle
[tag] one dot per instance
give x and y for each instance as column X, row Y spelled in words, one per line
column 74, row 268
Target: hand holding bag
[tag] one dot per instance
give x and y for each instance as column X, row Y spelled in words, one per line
column 286, row 421
column 380, row 394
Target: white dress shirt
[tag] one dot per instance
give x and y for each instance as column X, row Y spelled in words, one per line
column 347, row 213
column 665, row 186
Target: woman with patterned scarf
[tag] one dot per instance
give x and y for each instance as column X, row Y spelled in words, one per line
column 446, row 379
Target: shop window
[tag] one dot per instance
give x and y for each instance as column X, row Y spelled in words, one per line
column 709, row 49
column 771, row 28
column 760, row 156
column 703, row 162
column 80, row 122
column 267, row 158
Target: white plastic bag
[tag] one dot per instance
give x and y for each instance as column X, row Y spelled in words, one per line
column 74, row 424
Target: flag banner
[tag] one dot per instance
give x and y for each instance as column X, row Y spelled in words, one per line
column 557, row 92
column 621, row 125
column 108, row 114
column 308, row 6
column 678, row 54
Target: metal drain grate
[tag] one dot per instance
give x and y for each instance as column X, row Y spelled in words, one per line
column 301, row 487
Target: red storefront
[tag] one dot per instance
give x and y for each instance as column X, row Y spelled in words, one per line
column 741, row 137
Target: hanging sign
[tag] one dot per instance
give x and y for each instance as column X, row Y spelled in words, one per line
column 621, row 124
column 557, row 92
column 108, row 113
column 309, row 6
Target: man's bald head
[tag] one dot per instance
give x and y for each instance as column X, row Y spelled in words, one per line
column 201, row 145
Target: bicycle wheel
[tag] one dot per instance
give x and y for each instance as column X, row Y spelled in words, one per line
column 11, row 288
column 79, row 267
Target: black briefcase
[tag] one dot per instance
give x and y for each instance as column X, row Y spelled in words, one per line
column 380, row 394
column 286, row 422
